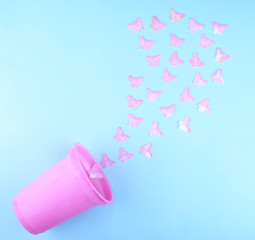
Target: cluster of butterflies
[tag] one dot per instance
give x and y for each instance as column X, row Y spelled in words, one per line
column 152, row 95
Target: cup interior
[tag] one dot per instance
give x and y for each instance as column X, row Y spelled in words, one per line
column 100, row 185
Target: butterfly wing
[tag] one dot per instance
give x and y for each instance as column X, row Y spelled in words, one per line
column 95, row 171
column 184, row 125
column 134, row 121
column 137, row 25
column 146, row 150
column 185, row 96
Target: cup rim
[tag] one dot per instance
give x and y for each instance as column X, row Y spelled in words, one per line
column 84, row 173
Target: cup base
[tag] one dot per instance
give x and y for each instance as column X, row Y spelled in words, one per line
column 21, row 219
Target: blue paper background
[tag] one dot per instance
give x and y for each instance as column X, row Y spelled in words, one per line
column 63, row 75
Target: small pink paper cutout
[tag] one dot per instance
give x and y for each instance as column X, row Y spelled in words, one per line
column 134, row 121
column 221, row 56
column 195, row 61
column 218, row 28
column 153, row 60
column 194, row 26
column 217, row 76
column 168, row 111
column 156, row 24
column 205, row 42
column 185, row 96
column 168, row 77
column 120, row 135
column 135, row 81
column 184, row 125
column 176, row 41
column 133, row 103
column 145, row 44
column 175, row 16
column 146, row 150
column 124, row 156
column 106, row 162
column 203, row 106
column 137, row 25
column 175, row 60
column 154, row 130
column 199, row 81
column 95, row 171
column 153, row 95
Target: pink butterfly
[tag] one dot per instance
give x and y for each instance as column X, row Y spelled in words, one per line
column 194, row 26
column 216, row 76
column 154, row 130
column 124, row 155
column 153, row 95
column 221, row 56
column 205, row 42
column 153, row 60
column 146, row 150
column 135, row 81
column 106, row 162
column 168, row 111
column 145, row 44
column 175, row 16
column 175, row 41
column 199, row 81
column 175, row 60
column 203, row 106
column 137, row 25
column 120, row 135
column 218, row 28
column 134, row 121
column 184, row 125
column 95, row 171
column 156, row 24
column 133, row 103
column 168, row 77
column 195, row 61
column 185, row 96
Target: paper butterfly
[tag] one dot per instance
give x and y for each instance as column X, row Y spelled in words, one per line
column 145, row 44
column 106, row 162
column 175, row 41
column 203, row 106
column 135, row 81
column 199, row 81
column 120, row 135
column 168, row 111
column 216, row 76
column 95, row 171
column 133, row 103
column 175, row 16
column 205, row 42
column 137, row 25
column 156, row 24
column 134, row 121
column 184, row 125
column 152, row 95
column 185, row 96
column 154, row 130
column 195, row 61
column 175, row 60
column 153, row 61
column 194, row 26
column 218, row 28
column 124, row 155
column 168, row 77
column 146, row 150
column 221, row 56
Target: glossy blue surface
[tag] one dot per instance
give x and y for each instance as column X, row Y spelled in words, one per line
column 63, row 75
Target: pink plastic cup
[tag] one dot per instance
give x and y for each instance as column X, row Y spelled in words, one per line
column 61, row 193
